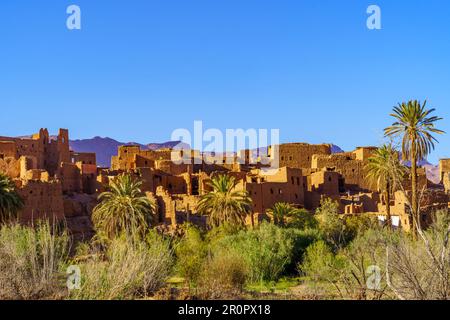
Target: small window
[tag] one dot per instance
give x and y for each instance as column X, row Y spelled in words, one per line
column 329, row 179
column 271, row 191
column 292, row 180
column 280, row 191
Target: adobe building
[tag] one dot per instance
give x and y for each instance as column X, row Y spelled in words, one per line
column 444, row 172
column 299, row 155
column 48, row 176
column 351, row 165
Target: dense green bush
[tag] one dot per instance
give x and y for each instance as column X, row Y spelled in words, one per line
column 191, row 253
column 268, row 250
column 302, row 240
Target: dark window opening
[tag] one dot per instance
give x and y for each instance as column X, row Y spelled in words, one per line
column 195, row 186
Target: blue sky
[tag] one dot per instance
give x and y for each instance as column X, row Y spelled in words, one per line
column 139, row 69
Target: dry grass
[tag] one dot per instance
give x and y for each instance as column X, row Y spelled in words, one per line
column 222, row 277
column 30, row 261
column 126, row 270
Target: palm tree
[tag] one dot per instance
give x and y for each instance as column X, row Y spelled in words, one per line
column 10, row 201
column 385, row 170
column 123, row 209
column 415, row 125
column 225, row 204
column 282, row 210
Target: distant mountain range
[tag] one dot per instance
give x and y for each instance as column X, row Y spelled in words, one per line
column 105, row 148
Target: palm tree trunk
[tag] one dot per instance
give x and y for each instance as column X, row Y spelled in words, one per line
column 414, row 204
column 388, row 206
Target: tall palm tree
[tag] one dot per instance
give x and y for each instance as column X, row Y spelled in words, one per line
column 225, row 204
column 123, row 209
column 10, row 201
column 415, row 125
column 385, row 170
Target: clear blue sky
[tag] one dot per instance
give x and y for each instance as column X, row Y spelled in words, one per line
column 139, row 69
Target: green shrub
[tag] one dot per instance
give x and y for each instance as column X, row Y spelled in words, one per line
column 30, row 261
column 331, row 225
column 126, row 270
column 357, row 225
column 302, row 240
column 322, row 266
column 267, row 250
column 191, row 253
